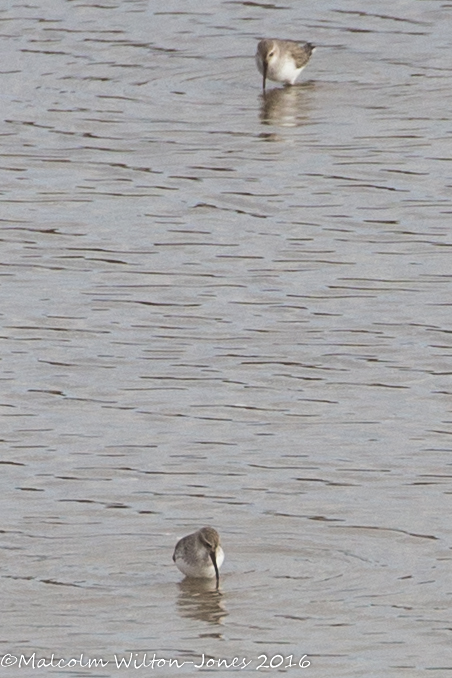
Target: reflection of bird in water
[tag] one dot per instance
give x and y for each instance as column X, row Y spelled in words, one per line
column 200, row 599
column 282, row 60
column 200, row 555
column 286, row 106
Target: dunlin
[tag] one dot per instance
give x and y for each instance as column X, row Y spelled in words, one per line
column 200, row 554
column 282, row 60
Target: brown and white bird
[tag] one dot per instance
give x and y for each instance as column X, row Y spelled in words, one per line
column 200, row 554
column 282, row 60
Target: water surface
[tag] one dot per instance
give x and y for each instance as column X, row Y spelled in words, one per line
column 219, row 308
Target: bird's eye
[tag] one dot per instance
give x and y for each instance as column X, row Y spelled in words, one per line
column 271, row 53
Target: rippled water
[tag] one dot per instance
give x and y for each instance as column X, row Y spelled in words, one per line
column 219, row 308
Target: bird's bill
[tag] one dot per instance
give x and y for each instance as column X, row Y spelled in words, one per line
column 214, row 561
column 264, row 74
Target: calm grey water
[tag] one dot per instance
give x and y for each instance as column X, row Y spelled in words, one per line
column 219, row 309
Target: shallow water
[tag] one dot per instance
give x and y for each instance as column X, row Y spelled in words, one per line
column 219, row 308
